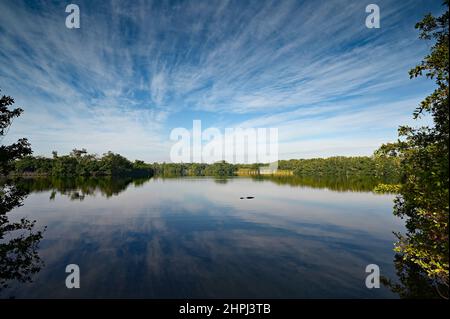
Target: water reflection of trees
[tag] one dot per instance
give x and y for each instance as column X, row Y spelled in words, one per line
column 335, row 183
column 412, row 282
column 79, row 188
column 19, row 258
column 19, row 239
column 360, row 184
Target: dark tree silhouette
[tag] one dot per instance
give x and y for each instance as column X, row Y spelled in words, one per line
column 19, row 258
column 9, row 153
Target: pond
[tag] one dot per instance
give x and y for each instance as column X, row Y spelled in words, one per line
column 201, row 237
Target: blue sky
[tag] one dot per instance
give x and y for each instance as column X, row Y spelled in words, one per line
column 135, row 70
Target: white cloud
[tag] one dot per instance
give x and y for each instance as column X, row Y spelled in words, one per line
column 124, row 78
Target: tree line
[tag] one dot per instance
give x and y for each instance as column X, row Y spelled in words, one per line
column 81, row 163
column 341, row 166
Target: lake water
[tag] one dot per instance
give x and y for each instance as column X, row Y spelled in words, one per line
column 196, row 238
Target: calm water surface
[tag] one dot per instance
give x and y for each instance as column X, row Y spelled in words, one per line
column 195, row 238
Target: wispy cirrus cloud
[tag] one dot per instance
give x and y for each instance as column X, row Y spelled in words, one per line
column 135, row 70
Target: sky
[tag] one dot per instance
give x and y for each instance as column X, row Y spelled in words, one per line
column 136, row 70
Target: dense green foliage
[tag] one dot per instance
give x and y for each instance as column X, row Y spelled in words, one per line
column 382, row 168
column 195, row 169
column 340, row 166
column 80, row 163
column 423, row 152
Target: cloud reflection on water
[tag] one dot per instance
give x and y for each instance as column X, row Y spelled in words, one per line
column 194, row 238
